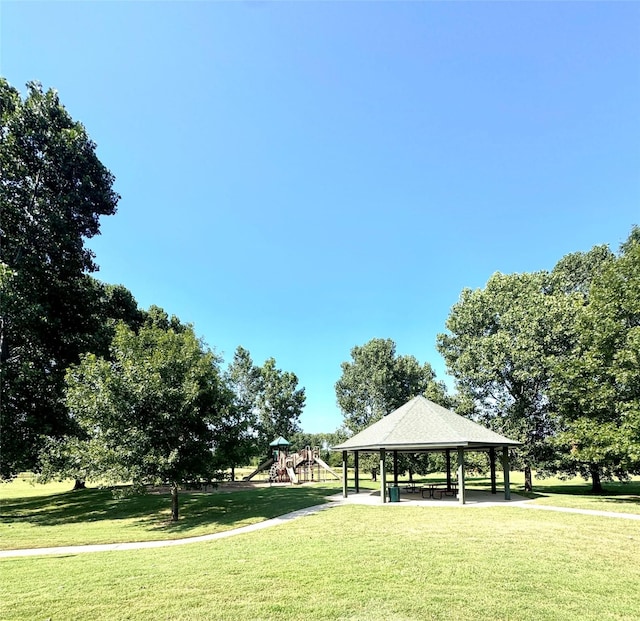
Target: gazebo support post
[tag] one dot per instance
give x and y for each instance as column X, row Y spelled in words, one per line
column 383, row 478
column 356, row 463
column 505, row 469
column 447, row 454
column 395, row 467
column 461, row 498
column 344, row 474
column 492, row 461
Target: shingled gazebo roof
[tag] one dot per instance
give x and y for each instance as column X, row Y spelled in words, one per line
column 422, row 425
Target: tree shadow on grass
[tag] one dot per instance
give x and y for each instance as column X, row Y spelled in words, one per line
column 86, row 505
column 610, row 489
column 152, row 511
column 239, row 507
column 627, row 500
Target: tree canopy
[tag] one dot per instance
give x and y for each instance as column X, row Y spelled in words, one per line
column 597, row 385
column 377, row 381
column 280, row 403
column 499, row 349
column 237, row 439
column 539, row 356
column 268, row 400
column 148, row 414
column 53, row 191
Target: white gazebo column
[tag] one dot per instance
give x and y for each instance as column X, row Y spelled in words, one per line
column 344, row 474
column 461, row 498
column 505, row 470
column 383, row 478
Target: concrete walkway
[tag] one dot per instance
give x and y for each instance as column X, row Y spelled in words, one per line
column 609, row 514
column 474, row 499
column 110, row 547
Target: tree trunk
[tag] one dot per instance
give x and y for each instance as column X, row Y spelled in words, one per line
column 233, row 473
column 596, row 483
column 79, row 484
column 174, row 502
column 528, row 479
column 374, row 474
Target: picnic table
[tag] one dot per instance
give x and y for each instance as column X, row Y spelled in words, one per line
column 430, row 490
column 439, row 489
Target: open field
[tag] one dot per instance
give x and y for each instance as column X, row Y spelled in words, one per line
column 52, row 515
column 576, row 493
column 353, row 562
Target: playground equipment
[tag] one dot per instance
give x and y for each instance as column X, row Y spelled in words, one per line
column 301, row 467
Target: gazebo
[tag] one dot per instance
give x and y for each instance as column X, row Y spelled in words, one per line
column 421, row 426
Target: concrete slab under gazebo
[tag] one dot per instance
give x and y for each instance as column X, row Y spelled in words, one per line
column 421, row 426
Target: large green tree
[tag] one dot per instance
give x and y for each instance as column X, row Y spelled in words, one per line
column 268, row 404
column 280, row 404
column 148, row 414
column 597, row 387
column 237, row 439
column 500, row 347
column 377, row 381
column 115, row 304
column 53, row 190
column 574, row 273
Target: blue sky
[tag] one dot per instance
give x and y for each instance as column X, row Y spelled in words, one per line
column 300, row 177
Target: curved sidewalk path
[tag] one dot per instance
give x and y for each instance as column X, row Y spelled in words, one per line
column 337, row 500
column 610, row 514
column 109, row 547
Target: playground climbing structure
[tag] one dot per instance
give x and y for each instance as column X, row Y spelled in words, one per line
column 301, row 467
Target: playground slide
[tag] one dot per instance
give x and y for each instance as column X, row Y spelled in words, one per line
column 263, row 466
column 292, row 475
column 327, row 467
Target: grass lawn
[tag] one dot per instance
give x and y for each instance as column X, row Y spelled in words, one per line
column 353, row 563
column 33, row 516
column 576, row 493
column 51, row 515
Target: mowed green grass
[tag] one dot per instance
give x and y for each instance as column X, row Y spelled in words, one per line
column 572, row 493
column 36, row 516
column 351, row 562
column 33, row 515
column 576, row 493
